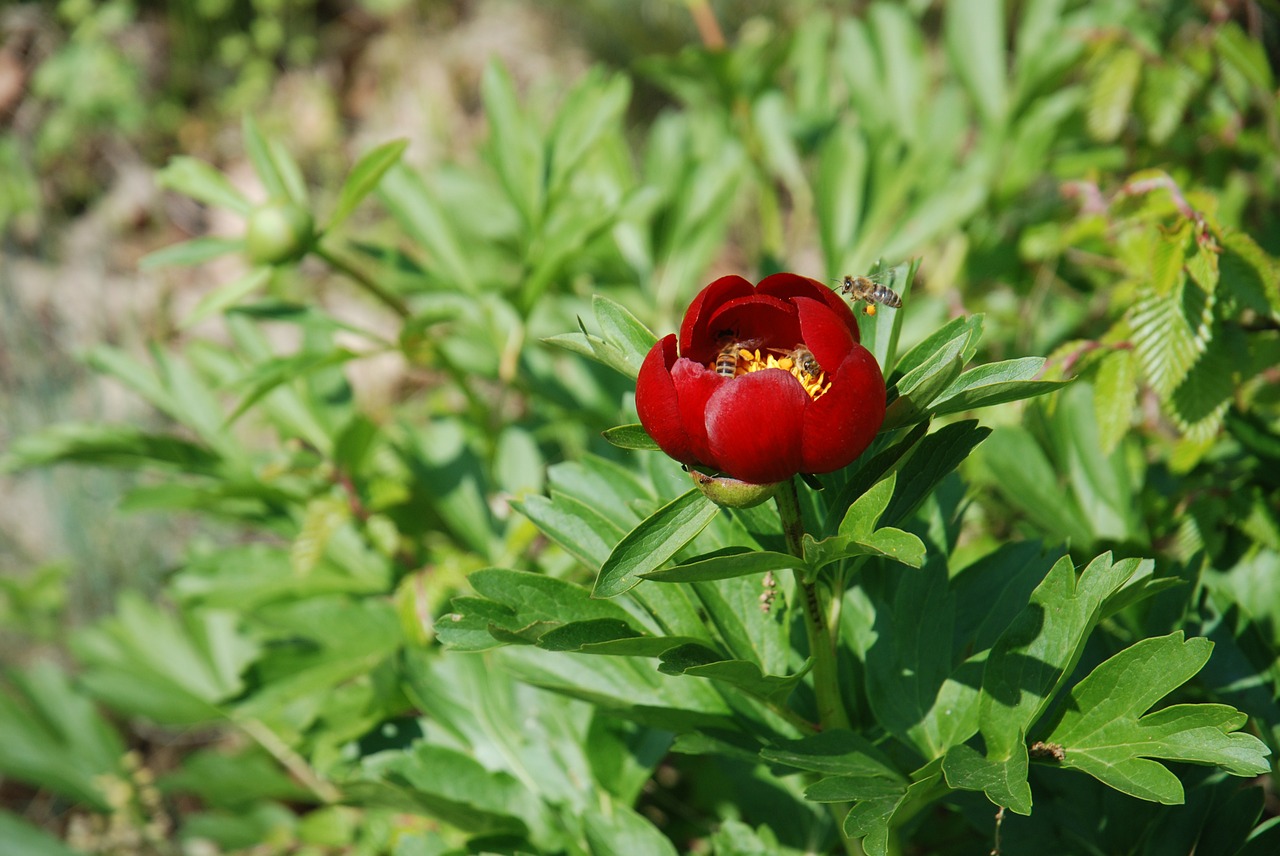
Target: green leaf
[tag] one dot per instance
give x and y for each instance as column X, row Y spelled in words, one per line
column 1111, row 93
column 429, row 226
column 911, row 404
column 837, row 752
column 700, row 661
column 449, row 785
column 620, row 329
column 994, row 383
column 624, row 686
column 1023, row 475
column 19, row 838
column 1165, row 93
column 1104, row 733
column 1003, row 780
column 193, row 252
column 267, row 375
column 514, row 147
column 1170, row 331
column 452, row 479
column 966, row 330
column 929, row 368
column 593, row 109
column 1249, row 274
column 632, row 436
column 315, row 649
column 649, row 545
column 173, row 670
column 1101, row 485
column 617, row 828
column 234, row 780
column 1245, row 55
column 975, row 39
column 1025, row 669
column 887, row 543
column 576, row 526
column 551, row 613
column 876, row 810
column 861, row 518
column 1115, row 394
column 736, row 564
column 839, row 193
column 203, row 183
column 364, row 177
column 1036, row 654
column 625, row 358
column 264, row 163
column 936, row 457
column 225, row 296
column 108, row 445
column 56, row 740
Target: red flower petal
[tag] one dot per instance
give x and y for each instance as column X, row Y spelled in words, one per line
column 824, row 333
column 659, row 405
column 695, row 326
column 770, row 320
column 753, row 425
column 790, row 285
column 840, row 425
column 695, row 384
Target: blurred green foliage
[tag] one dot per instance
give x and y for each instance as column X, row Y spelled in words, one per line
column 1097, row 181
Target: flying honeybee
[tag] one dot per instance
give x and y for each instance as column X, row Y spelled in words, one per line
column 872, row 290
column 730, row 351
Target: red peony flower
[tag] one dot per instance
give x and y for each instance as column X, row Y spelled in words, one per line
column 768, row 381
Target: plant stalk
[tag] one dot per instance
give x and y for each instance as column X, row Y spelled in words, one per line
column 822, row 644
column 391, row 301
column 822, row 647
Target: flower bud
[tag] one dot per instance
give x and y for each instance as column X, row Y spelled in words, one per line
column 730, row 492
column 278, row 232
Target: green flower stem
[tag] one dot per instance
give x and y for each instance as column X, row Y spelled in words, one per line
column 391, row 301
column 822, row 646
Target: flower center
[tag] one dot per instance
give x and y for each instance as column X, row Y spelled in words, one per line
column 799, row 362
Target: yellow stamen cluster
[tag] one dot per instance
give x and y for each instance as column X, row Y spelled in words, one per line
column 787, row 360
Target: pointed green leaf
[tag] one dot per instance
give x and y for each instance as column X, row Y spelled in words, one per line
column 1115, row 393
column 861, row 518
column 259, row 151
column 700, row 661
column 193, row 252
column 888, row 543
column 225, row 296
column 612, row 827
column 659, row 537
column 107, row 445
column 577, row 527
column 975, row 36
column 994, row 383
column 631, row 436
column 364, row 177
column 933, row 459
column 738, row 564
column 623, row 331
column 203, row 183
column 836, row 752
